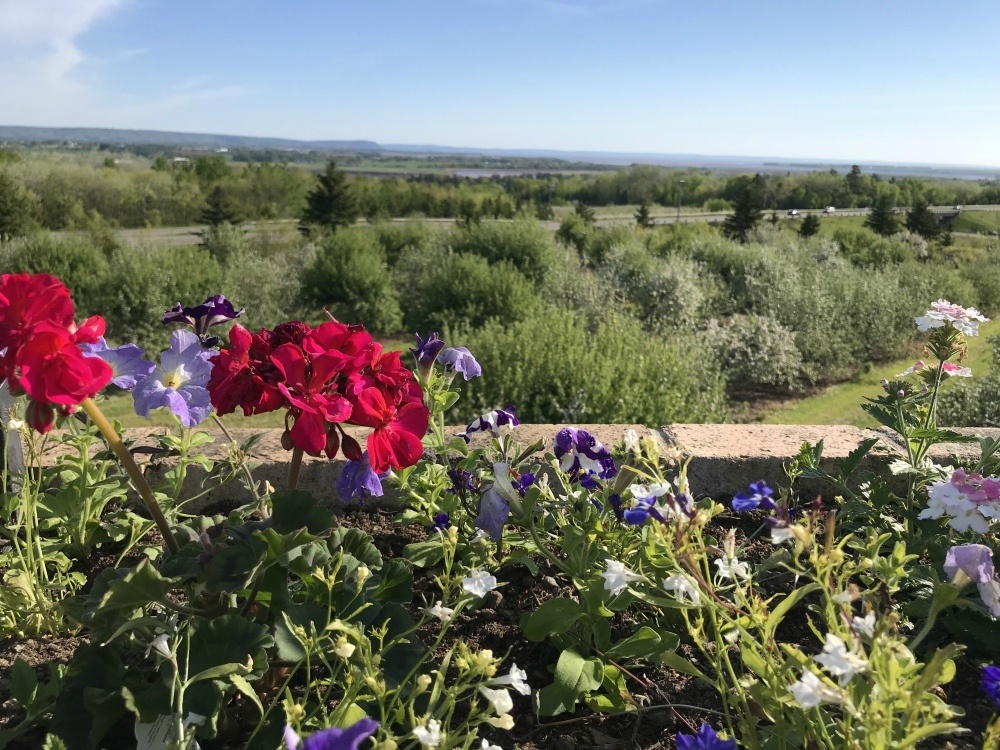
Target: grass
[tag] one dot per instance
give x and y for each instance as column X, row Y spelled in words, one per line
column 841, row 404
column 977, row 221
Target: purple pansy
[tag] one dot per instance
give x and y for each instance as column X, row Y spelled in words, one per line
column 358, row 480
column 975, row 560
column 583, row 457
column 212, row 312
column 991, row 683
column 333, row 738
column 126, row 362
column 179, row 383
column 758, row 497
column 491, row 422
column 459, row 359
column 705, row 739
column 426, row 352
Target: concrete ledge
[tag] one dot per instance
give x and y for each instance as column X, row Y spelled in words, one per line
column 725, row 458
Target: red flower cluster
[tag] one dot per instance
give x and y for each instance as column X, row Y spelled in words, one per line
column 326, row 377
column 40, row 347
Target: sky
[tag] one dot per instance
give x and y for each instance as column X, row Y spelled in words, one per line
column 880, row 80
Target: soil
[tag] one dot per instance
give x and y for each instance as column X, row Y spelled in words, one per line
column 669, row 702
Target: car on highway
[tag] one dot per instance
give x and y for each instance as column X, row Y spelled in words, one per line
column 830, row 210
column 959, row 208
column 793, row 212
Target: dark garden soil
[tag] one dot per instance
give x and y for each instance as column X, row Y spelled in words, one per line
column 668, row 702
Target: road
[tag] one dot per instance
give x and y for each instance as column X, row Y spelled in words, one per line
column 282, row 229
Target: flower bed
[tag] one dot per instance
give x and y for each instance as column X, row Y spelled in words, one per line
column 568, row 594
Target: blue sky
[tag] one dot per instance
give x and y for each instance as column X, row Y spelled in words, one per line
column 869, row 81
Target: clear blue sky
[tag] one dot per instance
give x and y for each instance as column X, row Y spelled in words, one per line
column 877, row 80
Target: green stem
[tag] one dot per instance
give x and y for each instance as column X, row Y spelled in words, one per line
column 294, row 467
column 133, row 470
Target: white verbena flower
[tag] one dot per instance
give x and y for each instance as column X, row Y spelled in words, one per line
column 429, row 734
column 839, row 661
column 942, row 311
column 444, row 614
column 479, row 582
column 683, row 588
column 617, row 577
column 810, row 691
column 731, row 567
column 499, row 699
column 516, row 678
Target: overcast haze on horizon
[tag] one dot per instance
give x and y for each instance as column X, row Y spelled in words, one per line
column 873, row 81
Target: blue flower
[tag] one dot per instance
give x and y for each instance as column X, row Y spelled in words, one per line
column 460, row 360
column 358, row 480
column 179, row 383
column 991, row 683
column 426, row 352
column 212, row 312
column 461, row 482
column 706, row 739
column 583, row 457
column 333, row 738
column 442, row 521
column 496, row 502
column 126, row 362
column 491, row 422
column 524, row 482
column 758, row 497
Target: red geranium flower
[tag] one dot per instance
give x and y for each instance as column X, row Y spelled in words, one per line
column 305, row 386
column 51, row 369
column 244, row 376
column 397, row 439
column 25, row 301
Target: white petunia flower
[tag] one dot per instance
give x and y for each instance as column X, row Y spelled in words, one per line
column 617, row 577
column 499, row 699
column 683, row 588
column 810, row 691
column 839, row 661
column 865, row 625
column 642, row 492
column 429, row 734
column 732, row 568
column 516, row 678
column 780, row 534
column 479, row 582
column 444, row 614
column 501, row 722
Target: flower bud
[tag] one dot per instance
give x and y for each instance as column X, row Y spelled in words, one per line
column 363, row 574
column 351, row 447
column 286, row 440
column 423, row 682
column 40, row 416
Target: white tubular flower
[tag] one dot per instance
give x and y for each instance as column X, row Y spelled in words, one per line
column 479, row 582
column 617, row 577
column 444, row 614
column 839, row 661
column 516, row 678
column 487, row 745
column 732, row 567
column 499, row 699
column 864, row 625
column 683, row 588
column 161, row 645
column 810, row 691
column 429, row 734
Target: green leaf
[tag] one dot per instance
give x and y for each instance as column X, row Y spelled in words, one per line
column 574, row 676
column 526, row 561
column 396, row 584
column 294, row 509
column 854, row 458
column 554, row 617
column 643, row 644
column 778, row 613
column 220, row 672
column 679, row 664
column 229, row 639
column 135, row 588
column 358, row 544
column 240, row 683
column 23, row 683
column 53, row 743
column 424, row 554
column 601, row 634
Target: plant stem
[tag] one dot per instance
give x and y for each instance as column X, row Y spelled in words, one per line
column 294, row 467
column 134, row 472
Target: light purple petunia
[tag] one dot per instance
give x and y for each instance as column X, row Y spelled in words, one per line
column 460, row 359
column 583, row 456
column 358, row 480
column 212, row 312
column 333, row 738
column 426, row 352
column 179, row 383
column 975, row 560
column 126, row 362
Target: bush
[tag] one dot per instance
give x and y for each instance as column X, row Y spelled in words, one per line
column 863, row 247
column 80, row 263
column 396, row 239
column 455, row 290
column 575, row 232
column 718, row 204
column 973, row 402
column 524, row 243
column 350, row 276
column 758, row 352
column 553, row 369
column 266, row 286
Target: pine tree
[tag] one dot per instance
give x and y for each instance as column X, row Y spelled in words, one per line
column 746, row 215
column 585, row 212
column 331, row 204
column 921, row 220
column 810, row 226
column 15, row 208
column 882, row 216
column 642, row 216
column 220, row 208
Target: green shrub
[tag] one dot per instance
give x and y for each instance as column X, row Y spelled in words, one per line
column 863, row 247
column 266, row 286
column 524, row 243
column 351, row 278
column 80, row 263
column 573, row 288
column 397, row 238
column 553, row 369
column 575, row 232
column 456, row 290
column 758, row 352
column 718, row 204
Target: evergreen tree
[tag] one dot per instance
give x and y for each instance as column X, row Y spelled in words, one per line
column 642, row 215
column 810, row 226
column 15, row 208
column 882, row 216
column 585, row 212
column 921, row 220
column 855, row 182
column 773, row 218
column 331, row 204
column 220, row 208
column 746, row 214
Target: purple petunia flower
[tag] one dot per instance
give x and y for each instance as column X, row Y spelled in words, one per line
column 333, row 738
column 442, row 521
column 357, row 479
column 975, row 560
column 583, row 457
column 706, row 739
column 758, row 497
column 524, row 482
column 460, row 360
column 496, row 502
column 991, row 683
column 491, row 422
column 126, row 362
column 212, row 312
column 426, row 352
column 179, row 383
column 461, row 482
